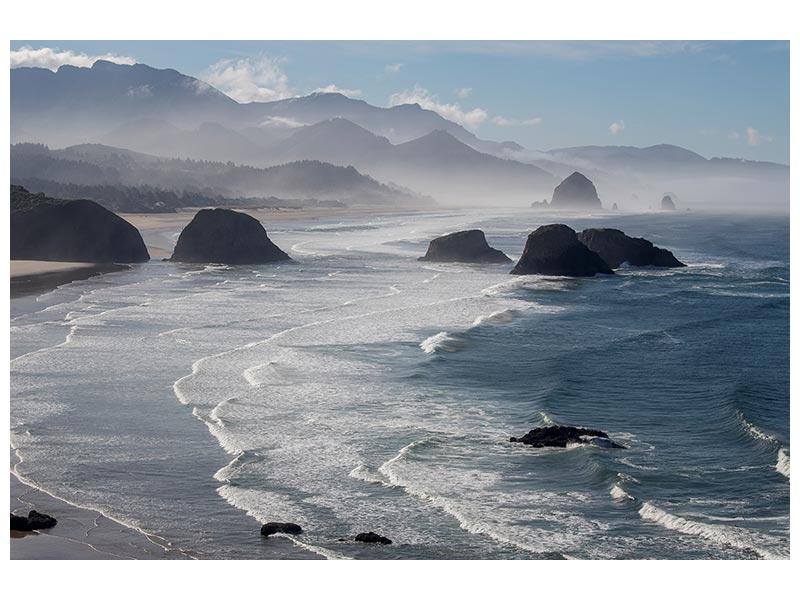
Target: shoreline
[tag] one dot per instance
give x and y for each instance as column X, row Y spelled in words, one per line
column 36, row 277
column 81, row 533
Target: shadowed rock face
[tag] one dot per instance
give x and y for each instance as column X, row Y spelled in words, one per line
column 372, row 538
column 559, row 436
column 225, row 236
column 463, row 246
column 556, row 250
column 576, row 191
column 45, row 228
column 667, row 203
column 34, row 520
column 268, row 529
column 616, row 248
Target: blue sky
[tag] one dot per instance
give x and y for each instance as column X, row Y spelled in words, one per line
column 717, row 98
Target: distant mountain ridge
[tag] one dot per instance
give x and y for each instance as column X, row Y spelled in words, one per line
column 98, row 165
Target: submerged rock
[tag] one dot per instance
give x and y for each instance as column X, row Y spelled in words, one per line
column 34, row 520
column 667, row 203
column 556, row 250
column 616, row 248
column 225, row 236
column 558, row 436
column 268, row 529
column 44, row 228
column 576, row 191
column 463, row 246
column 372, row 538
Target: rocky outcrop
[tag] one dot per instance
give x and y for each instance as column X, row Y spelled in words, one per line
column 225, row 236
column 558, row 436
column 268, row 529
column 667, row 203
column 34, row 520
column 575, row 192
column 556, row 250
column 616, row 248
column 44, row 228
column 463, row 246
column 372, row 538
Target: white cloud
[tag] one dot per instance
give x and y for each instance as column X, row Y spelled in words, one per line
column 393, row 68
column 503, row 122
column 734, row 135
column 463, row 92
column 419, row 95
column 256, row 79
column 52, row 58
column 281, row 123
column 141, row 91
column 616, row 127
column 334, row 89
column 755, row 138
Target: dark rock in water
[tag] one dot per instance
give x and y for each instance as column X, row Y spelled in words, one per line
column 667, row 203
column 45, row 228
column 556, row 250
column 576, row 191
column 34, row 520
column 559, row 436
column 614, row 207
column 225, row 236
column 268, row 529
column 542, row 204
column 616, row 248
column 372, row 538
column 464, row 246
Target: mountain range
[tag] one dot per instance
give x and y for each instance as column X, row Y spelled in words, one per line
column 166, row 114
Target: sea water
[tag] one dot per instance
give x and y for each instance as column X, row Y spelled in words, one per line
column 358, row 389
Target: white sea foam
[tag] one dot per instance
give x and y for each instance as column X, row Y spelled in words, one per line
column 753, row 430
column 619, row 494
column 442, row 342
column 719, row 534
column 782, row 466
column 497, row 317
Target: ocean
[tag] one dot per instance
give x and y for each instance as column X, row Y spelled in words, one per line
column 357, row 389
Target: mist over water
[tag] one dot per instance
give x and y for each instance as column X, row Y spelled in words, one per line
column 357, row 389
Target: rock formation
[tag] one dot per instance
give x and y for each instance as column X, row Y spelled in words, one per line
column 667, row 203
column 559, row 436
column 615, row 207
column 225, row 236
column 463, row 246
column 556, row 250
column 268, row 529
column 616, row 248
column 575, row 192
column 34, row 520
column 372, row 538
column 45, row 228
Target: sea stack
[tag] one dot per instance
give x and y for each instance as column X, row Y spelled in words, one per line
column 228, row 237
column 616, row 248
column 667, row 203
column 556, row 250
column 45, row 228
column 463, row 246
column 576, row 192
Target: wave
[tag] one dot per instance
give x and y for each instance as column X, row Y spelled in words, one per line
column 719, row 534
column 754, row 431
column 466, row 523
column 618, row 493
column 498, row 317
column 443, row 342
column 782, row 466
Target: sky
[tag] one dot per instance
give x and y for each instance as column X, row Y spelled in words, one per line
column 716, row 98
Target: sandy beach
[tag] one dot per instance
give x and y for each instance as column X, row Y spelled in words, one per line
column 81, row 534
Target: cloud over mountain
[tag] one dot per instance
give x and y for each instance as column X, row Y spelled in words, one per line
column 419, row 95
column 52, row 58
column 256, row 79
